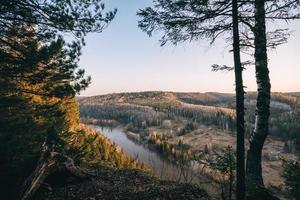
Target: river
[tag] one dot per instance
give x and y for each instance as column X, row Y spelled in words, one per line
column 160, row 166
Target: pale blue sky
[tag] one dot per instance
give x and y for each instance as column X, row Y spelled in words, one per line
column 125, row 59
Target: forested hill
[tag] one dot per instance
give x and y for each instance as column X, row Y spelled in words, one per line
column 149, row 98
column 217, row 109
column 284, row 101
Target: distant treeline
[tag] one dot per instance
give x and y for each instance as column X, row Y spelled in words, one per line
column 210, row 109
column 139, row 116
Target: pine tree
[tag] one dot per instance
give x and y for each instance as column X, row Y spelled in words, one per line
column 39, row 77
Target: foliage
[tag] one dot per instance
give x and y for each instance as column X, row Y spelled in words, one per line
column 213, row 109
column 187, row 20
column 37, row 86
column 286, row 125
column 91, row 148
column 141, row 111
column 220, row 166
column 291, row 175
column 188, row 128
column 225, row 163
column 132, row 128
column 124, row 113
column 39, row 77
column 77, row 17
column 35, row 90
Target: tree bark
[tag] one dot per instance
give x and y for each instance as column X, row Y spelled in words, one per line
column 240, row 122
column 260, row 132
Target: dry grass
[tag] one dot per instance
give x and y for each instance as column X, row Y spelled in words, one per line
column 218, row 139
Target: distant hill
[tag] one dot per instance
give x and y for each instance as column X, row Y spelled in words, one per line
column 213, row 109
column 294, row 94
column 160, row 95
column 283, row 101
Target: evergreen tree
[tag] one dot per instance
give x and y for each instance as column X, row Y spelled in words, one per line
column 37, row 82
column 291, row 175
column 39, row 77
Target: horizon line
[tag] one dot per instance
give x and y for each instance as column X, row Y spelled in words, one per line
column 144, row 91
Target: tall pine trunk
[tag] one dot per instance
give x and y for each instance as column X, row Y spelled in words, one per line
column 240, row 147
column 260, row 132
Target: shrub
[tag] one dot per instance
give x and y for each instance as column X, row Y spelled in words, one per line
column 188, row 128
column 291, row 174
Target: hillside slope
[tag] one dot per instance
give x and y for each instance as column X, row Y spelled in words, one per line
column 175, row 98
column 111, row 174
column 218, row 109
column 199, row 122
column 123, row 184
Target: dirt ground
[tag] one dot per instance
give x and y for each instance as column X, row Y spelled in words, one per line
column 127, row 184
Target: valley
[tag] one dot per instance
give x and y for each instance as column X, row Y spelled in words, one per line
column 96, row 100
column 194, row 127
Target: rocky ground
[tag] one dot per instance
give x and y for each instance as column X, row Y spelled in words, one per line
column 110, row 183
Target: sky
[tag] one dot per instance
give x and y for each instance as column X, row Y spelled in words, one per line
column 124, row 59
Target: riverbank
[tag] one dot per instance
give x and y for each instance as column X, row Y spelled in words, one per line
column 161, row 165
column 109, row 174
column 169, row 144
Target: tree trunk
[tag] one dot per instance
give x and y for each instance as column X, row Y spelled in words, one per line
column 49, row 163
column 260, row 132
column 231, row 177
column 240, row 146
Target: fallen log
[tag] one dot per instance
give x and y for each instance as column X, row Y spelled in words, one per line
column 51, row 162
